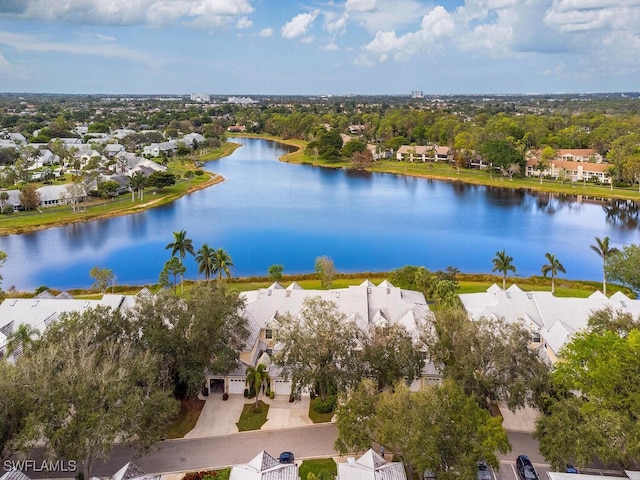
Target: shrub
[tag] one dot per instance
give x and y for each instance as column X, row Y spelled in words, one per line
column 325, row 406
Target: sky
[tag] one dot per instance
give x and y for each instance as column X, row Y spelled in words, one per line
column 308, row 47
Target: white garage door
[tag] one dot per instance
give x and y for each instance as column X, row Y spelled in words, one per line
column 236, row 386
column 282, row 387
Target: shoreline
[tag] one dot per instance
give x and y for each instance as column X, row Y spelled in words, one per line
column 213, row 179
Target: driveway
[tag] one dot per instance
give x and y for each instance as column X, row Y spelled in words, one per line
column 219, row 417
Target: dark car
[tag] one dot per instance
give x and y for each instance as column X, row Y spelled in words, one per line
column 484, row 471
column 286, row 457
column 525, row 468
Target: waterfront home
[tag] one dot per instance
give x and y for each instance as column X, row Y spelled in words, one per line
column 552, row 321
column 424, row 153
column 366, row 304
column 574, row 171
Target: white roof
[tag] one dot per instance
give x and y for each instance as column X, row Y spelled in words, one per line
column 371, row 466
column 264, row 467
column 557, row 319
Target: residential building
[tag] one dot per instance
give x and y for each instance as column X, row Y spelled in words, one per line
column 552, row 321
column 200, row 97
column 570, row 171
column 371, row 466
column 264, row 467
column 424, row 153
column 366, row 304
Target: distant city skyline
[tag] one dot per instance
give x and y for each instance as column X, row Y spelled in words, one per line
column 320, row 47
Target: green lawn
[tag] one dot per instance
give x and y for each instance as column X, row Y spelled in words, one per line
column 320, row 467
column 252, row 418
column 187, row 418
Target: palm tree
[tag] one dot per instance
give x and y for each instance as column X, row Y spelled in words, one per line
column 21, row 340
column 206, row 261
column 604, row 251
column 503, row 263
column 554, row 266
column 181, row 245
column 221, row 264
column 256, row 377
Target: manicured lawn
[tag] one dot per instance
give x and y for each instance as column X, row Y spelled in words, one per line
column 252, row 418
column 321, row 466
column 186, row 419
column 317, row 417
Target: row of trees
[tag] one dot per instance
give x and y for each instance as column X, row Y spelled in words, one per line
column 100, row 375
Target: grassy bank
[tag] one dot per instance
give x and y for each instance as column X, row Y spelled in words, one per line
column 98, row 208
column 448, row 172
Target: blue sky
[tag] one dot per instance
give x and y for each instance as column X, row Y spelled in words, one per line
column 319, row 47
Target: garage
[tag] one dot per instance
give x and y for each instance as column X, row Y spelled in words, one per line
column 282, row 387
column 236, row 386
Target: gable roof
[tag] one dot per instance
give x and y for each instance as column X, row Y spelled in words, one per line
column 371, row 466
column 264, row 467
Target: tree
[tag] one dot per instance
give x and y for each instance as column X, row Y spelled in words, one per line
column 546, row 156
column 204, row 332
column 329, row 145
column 355, row 417
column 604, row 251
column 554, row 266
column 256, row 378
column 160, row 180
column 4, row 196
column 616, row 321
column 181, row 245
column 103, row 278
column 438, row 429
column 275, row 272
column 503, row 263
column 221, row 264
column 390, row 356
column 353, row 146
column 489, row 358
column 362, row 160
column 91, row 386
column 21, row 340
column 174, row 268
column 29, row 197
column 206, row 261
column 3, row 259
column 624, row 266
column 317, row 348
column 137, row 182
column 326, row 271
column 501, row 154
column 14, row 407
column 603, row 420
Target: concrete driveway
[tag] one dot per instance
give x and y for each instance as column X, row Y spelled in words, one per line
column 219, row 417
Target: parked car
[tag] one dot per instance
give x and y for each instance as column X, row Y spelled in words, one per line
column 525, row 468
column 286, row 457
column 571, row 469
column 484, row 471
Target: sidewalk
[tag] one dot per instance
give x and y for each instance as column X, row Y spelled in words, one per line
column 523, row 420
column 219, row 417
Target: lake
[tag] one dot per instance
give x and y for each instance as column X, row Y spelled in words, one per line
column 268, row 212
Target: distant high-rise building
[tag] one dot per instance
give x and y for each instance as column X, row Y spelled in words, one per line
column 417, row 94
column 200, row 97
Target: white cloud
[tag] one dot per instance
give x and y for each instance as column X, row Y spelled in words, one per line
column 339, row 26
column 360, row 5
column 266, row 32
column 8, row 71
column 129, row 12
column 244, row 22
column 331, row 47
column 386, row 14
column 299, row 25
column 28, row 43
column 436, row 25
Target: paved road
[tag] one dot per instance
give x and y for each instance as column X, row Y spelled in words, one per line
column 220, row 451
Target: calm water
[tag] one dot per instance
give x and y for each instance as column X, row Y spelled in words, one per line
column 269, row 212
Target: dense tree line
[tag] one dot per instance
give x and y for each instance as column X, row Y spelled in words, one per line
column 102, row 375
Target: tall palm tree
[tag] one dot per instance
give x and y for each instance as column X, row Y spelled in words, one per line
column 181, row 245
column 222, row 262
column 604, row 251
column 503, row 263
column 554, row 266
column 256, row 377
column 21, row 340
column 206, row 261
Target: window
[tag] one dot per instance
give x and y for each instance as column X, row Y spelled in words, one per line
column 535, row 337
column 268, row 333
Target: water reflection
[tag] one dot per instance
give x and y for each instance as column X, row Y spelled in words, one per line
column 270, row 212
column 622, row 214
